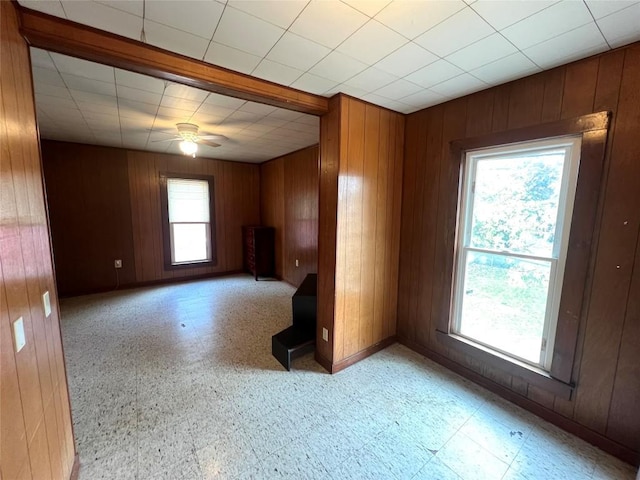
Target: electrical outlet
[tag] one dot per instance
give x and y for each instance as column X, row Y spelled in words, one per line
column 18, row 334
column 118, row 263
column 325, row 334
column 297, row 263
column 46, row 304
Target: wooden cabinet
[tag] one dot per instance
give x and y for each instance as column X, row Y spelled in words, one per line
column 258, row 249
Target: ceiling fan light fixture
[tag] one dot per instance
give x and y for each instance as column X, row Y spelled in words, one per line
column 189, row 147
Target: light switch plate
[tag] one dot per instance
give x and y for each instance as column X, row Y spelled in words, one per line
column 325, row 334
column 18, row 334
column 46, row 303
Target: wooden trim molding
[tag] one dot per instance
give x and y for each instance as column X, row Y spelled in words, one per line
column 70, row 38
column 622, row 452
column 75, row 470
column 347, row 362
column 593, row 129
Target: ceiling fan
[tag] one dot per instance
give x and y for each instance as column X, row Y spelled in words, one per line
column 188, row 134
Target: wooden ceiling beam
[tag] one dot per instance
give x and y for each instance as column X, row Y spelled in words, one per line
column 73, row 39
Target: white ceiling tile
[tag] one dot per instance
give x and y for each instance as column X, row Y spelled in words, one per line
column 456, row 32
column 579, row 43
column 138, row 95
column 141, row 82
column 482, row 52
column 280, row 12
column 384, row 102
column 411, row 18
column 548, row 23
column 51, row 7
column 297, row 52
column 97, row 108
column 258, row 108
column 602, row 8
column 180, row 103
column 502, row 13
column 282, row 114
column 196, row 17
column 135, row 7
column 347, row 89
column 175, row 40
column 368, row 7
column 88, row 97
column 434, row 73
column 506, row 69
column 337, row 66
column 49, row 101
column 223, row 101
column 246, row 32
column 52, row 90
column 371, row 79
column 231, row 58
column 328, row 22
column 103, row 17
column 185, row 92
column 459, row 86
column 176, row 115
column 398, row 89
column 82, row 68
column 622, row 27
column 48, row 76
column 423, row 99
column 133, row 108
column 41, row 58
column 313, row 84
column 372, row 42
column 276, row 72
column 89, row 85
column 406, row 59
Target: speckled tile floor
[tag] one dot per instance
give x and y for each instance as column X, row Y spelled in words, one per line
column 178, row 383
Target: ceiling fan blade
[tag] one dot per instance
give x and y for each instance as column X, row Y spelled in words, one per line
column 212, row 137
column 208, row 142
column 174, row 139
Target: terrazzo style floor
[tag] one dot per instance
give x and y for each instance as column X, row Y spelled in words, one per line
column 178, row 383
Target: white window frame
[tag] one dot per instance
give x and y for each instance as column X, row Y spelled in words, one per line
column 557, row 260
column 206, row 224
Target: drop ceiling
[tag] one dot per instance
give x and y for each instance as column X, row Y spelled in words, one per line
column 403, row 55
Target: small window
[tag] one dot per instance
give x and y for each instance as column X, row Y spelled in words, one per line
column 515, row 217
column 188, row 226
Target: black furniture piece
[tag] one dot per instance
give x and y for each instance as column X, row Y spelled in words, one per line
column 258, row 244
column 299, row 338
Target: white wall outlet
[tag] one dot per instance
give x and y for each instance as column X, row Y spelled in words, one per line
column 18, row 334
column 297, row 263
column 46, row 304
column 325, row 334
column 117, row 263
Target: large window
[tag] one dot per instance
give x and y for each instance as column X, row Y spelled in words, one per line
column 187, row 212
column 515, row 217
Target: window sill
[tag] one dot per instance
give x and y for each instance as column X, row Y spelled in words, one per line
column 179, row 266
column 531, row 374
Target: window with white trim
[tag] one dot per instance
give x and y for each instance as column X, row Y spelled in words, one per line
column 189, row 220
column 515, row 216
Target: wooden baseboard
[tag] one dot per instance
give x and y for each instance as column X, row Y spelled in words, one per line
column 610, row 446
column 75, row 470
column 151, row 283
column 326, row 364
column 361, row 355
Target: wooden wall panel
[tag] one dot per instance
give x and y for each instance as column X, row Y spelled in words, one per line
column 34, row 377
column 272, row 196
column 366, row 181
column 605, row 370
column 289, row 202
column 90, row 215
column 105, row 205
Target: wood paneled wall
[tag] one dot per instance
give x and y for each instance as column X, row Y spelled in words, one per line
column 105, row 205
column 90, row 215
column 361, row 164
column 289, row 202
column 36, row 438
column 606, row 370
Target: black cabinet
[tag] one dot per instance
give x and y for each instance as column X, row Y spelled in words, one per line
column 258, row 250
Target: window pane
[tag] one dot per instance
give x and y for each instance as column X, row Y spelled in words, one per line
column 503, row 303
column 190, row 242
column 188, row 200
column 516, row 203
